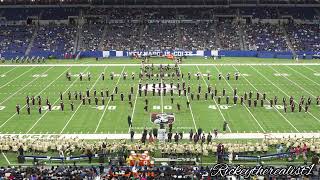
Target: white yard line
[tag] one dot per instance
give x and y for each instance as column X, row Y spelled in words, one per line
column 16, row 78
column 301, row 89
column 9, row 97
column 243, row 104
column 190, row 108
column 117, row 65
column 9, row 71
column 134, row 106
column 105, row 109
column 310, row 69
column 161, row 96
column 65, row 126
column 5, row 157
column 304, row 76
column 266, row 99
column 292, row 81
column 25, row 105
column 280, row 90
column 224, row 119
column 55, row 101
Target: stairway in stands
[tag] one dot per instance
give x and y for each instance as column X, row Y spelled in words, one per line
column 104, row 34
column 288, row 41
column 216, row 34
column 34, row 35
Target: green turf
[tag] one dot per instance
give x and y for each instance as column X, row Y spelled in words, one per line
column 18, row 82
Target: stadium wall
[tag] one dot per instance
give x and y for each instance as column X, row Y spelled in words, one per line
column 194, row 53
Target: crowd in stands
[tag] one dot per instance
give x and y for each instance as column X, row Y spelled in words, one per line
column 197, row 36
column 91, row 36
column 305, row 37
column 140, row 29
column 298, row 147
column 15, row 39
column 260, row 13
column 125, row 173
column 265, row 37
column 54, row 38
column 122, row 36
column 204, row 144
column 229, row 34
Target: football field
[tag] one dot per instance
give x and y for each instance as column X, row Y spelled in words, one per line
column 48, row 80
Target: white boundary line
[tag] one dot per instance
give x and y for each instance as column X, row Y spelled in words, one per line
column 301, row 89
column 54, row 102
column 134, row 105
column 190, row 108
column 206, row 64
column 214, row 99
column 243, row 104
column 16, row 78
column 74, row 113
column 105, row 109
column 9, row 97
column 5, row 157
column 310, row 135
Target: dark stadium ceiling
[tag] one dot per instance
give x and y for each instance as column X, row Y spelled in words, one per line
column 157, row 2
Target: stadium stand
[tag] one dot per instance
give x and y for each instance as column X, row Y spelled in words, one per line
column 91, row 36
column 14, row 40
column 304, row 37
column 53, row 40
column 265, row 37
column 123, row 29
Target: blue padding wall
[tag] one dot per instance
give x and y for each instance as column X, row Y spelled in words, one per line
column 266, row 54
column 282, row 56
column 95, row 54
column 238, row 53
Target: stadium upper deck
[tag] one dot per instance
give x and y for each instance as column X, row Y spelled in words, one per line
column 82, row 27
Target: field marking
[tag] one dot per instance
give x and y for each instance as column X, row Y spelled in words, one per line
column 280, row 90
column 245, row 136
column 9, row 70
column 304, row 76
column 105, row 110
column 55, row 101
column 311, row 69
column 301, row 89
column 293, row 82
column 116, row 65
column 134, row 105
column 16, row 78
column 26, row 105
column 244, row 103
column 190, row 108
column 9, row 97
column 5, row 157
column 215, row 101
column 74, row 113
column 268, row 100
column 161, row 95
